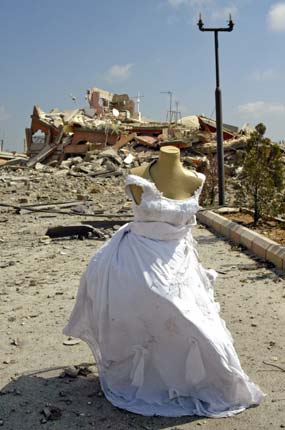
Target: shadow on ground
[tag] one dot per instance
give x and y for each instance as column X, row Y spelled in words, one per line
column 32, row 403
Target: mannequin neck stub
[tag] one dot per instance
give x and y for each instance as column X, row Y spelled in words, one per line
column 169, row 160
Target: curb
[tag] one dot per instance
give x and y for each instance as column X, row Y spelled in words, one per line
column 264, row 248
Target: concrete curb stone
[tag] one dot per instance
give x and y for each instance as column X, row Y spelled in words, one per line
column 260, row 245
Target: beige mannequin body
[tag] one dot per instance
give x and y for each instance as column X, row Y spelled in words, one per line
column 170, row 177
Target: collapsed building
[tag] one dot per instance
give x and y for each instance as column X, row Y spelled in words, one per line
column 111, row 120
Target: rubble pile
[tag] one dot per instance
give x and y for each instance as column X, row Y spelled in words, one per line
column 49, row 186
column 110, row 120
column 108, row 137
column 90, row 186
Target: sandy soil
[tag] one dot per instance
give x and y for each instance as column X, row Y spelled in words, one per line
column 271, row 229
column 39, row 280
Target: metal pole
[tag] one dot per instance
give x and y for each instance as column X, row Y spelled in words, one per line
column 219, row 126
column 170, row 104
column 218, row 100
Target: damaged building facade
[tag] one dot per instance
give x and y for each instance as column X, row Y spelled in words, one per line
column 111, row 120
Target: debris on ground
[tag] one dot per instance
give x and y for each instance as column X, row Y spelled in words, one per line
column 67, row 185
column 51, row 413
column 79, row 230
column 109, row 134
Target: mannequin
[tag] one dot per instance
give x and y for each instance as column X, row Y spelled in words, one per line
column 170, row 177
column 146, row 307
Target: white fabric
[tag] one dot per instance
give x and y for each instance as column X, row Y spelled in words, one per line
column 146, row 308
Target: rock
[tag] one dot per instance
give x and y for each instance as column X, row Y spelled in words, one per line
column 15, row 342
column 8, row 264
column 71, row 371
column 39, row 166
column 66, row 164
column 84, row 167
column 109, row 165
column 112, row 154
column 82, row 197
column 84, row 371
column 80, row 209
column 51, row 413
column 97, row 164
column 71, row 342
column 129, row 159
column 76, row 160
column 23, row 200
column 61, row 172
column 45, row 240
column 90, row 156
column 53, row 163
column 71, row 172
column 272, row 343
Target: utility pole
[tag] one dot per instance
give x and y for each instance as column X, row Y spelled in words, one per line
column 177, row 112
column 170, row 114
column 218, row 97
column 138, row 100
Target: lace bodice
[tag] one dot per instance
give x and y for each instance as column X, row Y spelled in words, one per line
column 155, row 207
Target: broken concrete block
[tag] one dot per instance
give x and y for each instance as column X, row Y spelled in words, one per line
column 66, row 164
column 83, row 167
column 62, row 172
column 146, row 140
column 39, row 166
column 112, row 154
column 109, row 166
column 76, row 160
column 129, row 159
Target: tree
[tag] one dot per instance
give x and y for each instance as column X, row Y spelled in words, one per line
column 260, row 181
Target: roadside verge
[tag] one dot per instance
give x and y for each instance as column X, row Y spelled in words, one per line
column 259, row 245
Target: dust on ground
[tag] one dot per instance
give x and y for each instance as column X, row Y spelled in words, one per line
column 50, row 381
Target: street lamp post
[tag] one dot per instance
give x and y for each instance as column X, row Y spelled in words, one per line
column 219, row 116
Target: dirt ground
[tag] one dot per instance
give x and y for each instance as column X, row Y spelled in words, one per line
column 39, row 280
column 271, row 229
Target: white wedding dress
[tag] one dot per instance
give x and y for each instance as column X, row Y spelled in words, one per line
column 146, row 308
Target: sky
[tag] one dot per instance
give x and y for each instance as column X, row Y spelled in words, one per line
column 50, row 50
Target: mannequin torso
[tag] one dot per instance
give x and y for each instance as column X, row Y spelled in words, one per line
column 170, row 177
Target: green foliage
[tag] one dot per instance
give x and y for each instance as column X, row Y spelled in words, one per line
column 260, row 128
column 260, row 183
